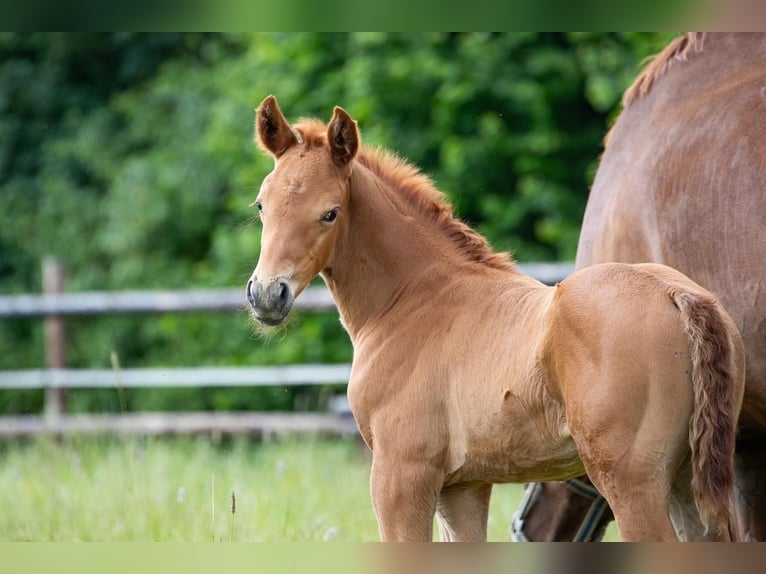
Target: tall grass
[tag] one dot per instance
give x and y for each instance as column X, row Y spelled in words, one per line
column 181, row 490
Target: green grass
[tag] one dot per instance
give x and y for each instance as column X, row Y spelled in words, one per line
column 180, row 490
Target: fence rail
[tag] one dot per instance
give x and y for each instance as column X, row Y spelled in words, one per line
column 289, row 375
column 313, row 299
column 206, row 423
column 54, row 304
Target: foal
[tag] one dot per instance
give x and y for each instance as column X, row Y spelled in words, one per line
column 468, row 373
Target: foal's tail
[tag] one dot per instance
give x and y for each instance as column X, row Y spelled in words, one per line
column 718, row 383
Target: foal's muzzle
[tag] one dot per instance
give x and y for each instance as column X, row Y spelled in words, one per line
column 270, row 302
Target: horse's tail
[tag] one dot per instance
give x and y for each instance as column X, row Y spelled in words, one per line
column 717, row 383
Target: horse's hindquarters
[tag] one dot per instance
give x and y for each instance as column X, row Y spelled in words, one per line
column 625, row 356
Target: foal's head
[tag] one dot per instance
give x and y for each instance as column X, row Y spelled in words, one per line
column 302, row 204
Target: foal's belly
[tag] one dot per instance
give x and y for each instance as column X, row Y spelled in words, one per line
column 521, row 458
column 501, row 467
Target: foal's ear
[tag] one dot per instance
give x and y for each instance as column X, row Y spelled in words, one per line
column 272, row 131
column 342, row 136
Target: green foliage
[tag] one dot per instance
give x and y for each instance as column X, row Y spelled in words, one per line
column 130, row 157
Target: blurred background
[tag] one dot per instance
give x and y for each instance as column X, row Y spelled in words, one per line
column 129, row 158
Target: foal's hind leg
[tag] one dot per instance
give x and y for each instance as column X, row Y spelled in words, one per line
column 636, row 479
column 683, row 510
column 462, row 511
column 640, row 503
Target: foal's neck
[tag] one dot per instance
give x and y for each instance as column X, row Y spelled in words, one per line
column 386, row 256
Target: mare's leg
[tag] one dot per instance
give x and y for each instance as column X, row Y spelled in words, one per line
column 404, row 496
column 462, row 511
column 750, row 487
column 558, row 514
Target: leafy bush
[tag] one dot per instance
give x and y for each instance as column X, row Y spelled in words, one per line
column 130, row 157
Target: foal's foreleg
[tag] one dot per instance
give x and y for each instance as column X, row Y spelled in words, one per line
column 462, row 512
column 404, row 496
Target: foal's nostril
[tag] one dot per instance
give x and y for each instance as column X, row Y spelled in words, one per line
column 284, row 292
column 249, row 292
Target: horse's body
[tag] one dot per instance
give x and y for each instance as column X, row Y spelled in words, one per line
column 682, row 182
column 468, row 373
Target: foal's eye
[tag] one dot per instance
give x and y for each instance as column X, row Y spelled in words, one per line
column 330, row 216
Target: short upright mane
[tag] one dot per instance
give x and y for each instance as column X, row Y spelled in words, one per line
column 418, row 190
column 677, row 51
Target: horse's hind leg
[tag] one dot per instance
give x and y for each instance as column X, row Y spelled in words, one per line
column 641, row 508
column 636, row 484
column 683, row 511
column 462, row 512
column 636, row 480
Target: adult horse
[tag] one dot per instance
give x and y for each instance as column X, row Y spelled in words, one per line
column 467, row 372
column 682, row 181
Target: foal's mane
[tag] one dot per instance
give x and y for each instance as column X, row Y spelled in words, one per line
column 418, row 191
column 677, row 51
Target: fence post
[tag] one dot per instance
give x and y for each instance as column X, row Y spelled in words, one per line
column 55, row 341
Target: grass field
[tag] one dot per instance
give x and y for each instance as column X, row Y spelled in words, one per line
column 181, row 490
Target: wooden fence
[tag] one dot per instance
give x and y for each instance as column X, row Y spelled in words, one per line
column 54, row 304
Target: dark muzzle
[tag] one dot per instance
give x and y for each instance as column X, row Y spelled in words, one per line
column 270, row 303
